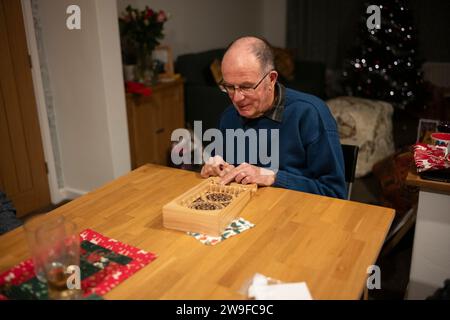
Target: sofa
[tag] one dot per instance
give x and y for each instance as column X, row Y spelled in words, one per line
column 203, row 99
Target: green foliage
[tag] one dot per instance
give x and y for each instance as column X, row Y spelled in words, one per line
column 140, row 31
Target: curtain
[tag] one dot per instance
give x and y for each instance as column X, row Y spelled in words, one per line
column 433, row 24
column 323, row 30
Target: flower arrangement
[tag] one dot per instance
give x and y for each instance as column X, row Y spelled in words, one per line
column 141, row 31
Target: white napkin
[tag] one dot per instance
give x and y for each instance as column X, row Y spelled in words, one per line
column 260, row 289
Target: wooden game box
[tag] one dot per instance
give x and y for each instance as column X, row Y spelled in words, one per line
column 208, row 207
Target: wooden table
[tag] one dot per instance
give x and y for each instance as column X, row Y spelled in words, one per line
column 430, row 264
column 414, row 179
column 329, row 243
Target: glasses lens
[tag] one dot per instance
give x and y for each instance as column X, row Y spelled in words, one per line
column 246, row 90
column 228, row 89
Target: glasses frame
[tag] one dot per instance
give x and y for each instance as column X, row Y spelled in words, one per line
column 236, row 87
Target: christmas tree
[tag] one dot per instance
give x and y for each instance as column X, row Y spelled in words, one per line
column 384, row 64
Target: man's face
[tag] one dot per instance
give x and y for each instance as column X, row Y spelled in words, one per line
column 244, row 70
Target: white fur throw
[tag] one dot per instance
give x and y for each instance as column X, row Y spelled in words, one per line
column 367, row 124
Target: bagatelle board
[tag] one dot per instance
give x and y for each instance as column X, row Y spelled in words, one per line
column 208, row 207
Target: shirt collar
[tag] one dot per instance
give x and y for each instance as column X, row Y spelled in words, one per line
column 275, row 113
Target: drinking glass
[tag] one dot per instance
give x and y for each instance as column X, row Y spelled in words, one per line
column 54, row 245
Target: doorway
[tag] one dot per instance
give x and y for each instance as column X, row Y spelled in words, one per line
column 23, row 173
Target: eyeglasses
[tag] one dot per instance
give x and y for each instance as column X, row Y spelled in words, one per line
column 245, row 90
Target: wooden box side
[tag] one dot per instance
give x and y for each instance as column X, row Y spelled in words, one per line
column 233, row 210
column 183, row 220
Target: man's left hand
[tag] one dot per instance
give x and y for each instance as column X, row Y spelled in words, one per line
column 248, row 174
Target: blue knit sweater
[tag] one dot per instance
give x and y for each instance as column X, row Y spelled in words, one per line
column 310, row 154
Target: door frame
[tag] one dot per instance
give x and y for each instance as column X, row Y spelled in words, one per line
column 56, row 194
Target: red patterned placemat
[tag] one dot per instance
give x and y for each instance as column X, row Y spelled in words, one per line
column 104, row 263
column 429, row 157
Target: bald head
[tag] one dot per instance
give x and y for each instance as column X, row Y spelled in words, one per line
column 252, row 48
column 248, row 65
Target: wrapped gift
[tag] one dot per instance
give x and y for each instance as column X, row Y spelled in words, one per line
column 429, row 157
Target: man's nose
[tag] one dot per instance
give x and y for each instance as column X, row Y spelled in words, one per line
column 238, row 96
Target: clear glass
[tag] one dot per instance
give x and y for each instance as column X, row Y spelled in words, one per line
column 146, row 69
column 54, row 245
column 30, row 227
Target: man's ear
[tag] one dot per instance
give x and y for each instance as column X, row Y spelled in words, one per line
column 273, row 76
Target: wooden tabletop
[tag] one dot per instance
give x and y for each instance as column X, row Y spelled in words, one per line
column 414, row 179
column 329, row 243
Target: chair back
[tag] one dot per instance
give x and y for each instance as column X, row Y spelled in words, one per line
column 350, row 154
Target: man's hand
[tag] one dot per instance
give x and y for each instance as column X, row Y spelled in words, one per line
column 248, row 174
column 216, row 167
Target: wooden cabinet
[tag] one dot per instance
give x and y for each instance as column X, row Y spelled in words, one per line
column 151, row 121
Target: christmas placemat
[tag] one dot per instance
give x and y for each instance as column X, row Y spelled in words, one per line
column 236, row 227
column 104, row 263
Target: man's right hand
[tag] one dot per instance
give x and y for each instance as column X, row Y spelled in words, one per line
column 216, row 167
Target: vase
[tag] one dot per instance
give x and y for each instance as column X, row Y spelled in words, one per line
column 129, row 72
column 145, row 69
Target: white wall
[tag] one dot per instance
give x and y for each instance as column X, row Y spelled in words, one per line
column 109, row 41
column 87, row 86
column 198, row 25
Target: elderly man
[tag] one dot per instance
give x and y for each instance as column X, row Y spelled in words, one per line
column 310, row 155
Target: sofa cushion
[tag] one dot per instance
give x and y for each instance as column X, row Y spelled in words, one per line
column 367, row 124
column 216, row 71
column 195, row 67
column 206, row 104
column 284, row 63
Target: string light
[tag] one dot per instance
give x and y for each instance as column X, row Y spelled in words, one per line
column 386, row 61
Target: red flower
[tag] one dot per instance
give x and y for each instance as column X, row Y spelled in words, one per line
column 161, row 16
column 149, row 13
column 138, row 88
